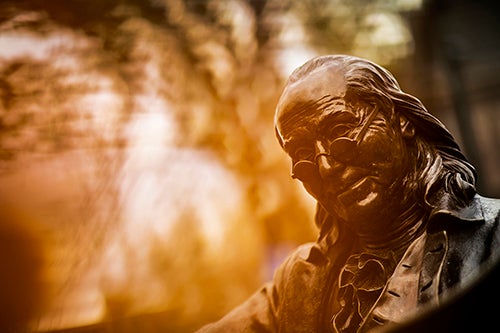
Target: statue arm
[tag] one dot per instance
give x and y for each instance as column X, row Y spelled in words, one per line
column 259, row 313
column 255, row 315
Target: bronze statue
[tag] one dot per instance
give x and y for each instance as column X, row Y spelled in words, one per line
column 399, row 217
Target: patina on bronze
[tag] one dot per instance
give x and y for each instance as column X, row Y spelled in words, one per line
column 399, row 217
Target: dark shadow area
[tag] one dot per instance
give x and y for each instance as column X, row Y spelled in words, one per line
column 470, row 310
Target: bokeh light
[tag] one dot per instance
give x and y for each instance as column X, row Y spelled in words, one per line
column 140, row 179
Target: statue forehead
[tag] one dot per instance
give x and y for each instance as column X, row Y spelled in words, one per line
column 326, row 80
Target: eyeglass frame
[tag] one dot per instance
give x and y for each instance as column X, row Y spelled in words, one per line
column 348, row 142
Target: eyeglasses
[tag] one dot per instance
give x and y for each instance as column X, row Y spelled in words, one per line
column 342, row 149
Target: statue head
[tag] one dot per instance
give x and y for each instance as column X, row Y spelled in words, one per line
column 362, row 147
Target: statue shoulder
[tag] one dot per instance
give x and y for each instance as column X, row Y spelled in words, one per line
column 309, row 252
column 490, row 207
column 305, row 259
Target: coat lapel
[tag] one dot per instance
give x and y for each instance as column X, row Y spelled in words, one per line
column 435, row 252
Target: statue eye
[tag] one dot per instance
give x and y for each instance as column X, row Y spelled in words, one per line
column 340, row 130
column 303, row 153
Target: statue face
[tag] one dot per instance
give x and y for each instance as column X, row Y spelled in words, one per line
column 351, row 157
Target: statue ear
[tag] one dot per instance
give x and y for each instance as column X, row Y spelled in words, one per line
column 407, row 128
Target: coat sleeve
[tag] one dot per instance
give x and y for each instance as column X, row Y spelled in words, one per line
column 260, row 312
column 255, row 315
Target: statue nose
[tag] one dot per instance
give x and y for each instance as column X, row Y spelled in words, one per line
column 327, row 165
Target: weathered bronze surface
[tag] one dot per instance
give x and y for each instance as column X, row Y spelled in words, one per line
column 399, row 217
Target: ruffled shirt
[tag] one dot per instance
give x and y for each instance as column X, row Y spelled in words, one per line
column 374, row 288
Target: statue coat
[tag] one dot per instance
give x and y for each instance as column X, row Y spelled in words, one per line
column 457, row 243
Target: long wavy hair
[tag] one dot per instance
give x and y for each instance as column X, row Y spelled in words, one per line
column 441, row 166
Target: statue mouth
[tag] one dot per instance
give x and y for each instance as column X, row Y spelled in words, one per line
column 361, row 193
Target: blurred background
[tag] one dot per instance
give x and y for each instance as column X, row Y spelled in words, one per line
column 141, row 186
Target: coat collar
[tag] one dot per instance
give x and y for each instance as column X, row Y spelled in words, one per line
column 446, row 207
column 445, row 214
